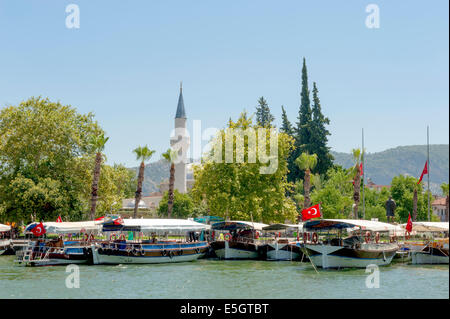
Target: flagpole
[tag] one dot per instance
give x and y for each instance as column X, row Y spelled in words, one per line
column 363, row 174
column 428, row 169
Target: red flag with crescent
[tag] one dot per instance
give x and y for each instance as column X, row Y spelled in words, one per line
column 311, row 212
column 409, row 225
column 59, row 219
column 425, row 171
column 38, row 230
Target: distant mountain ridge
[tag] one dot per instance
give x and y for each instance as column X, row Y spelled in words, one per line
column 380, row 167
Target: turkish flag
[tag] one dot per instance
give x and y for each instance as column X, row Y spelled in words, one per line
column 59, row 220
column 409, row 224
column 311, row 212
column 361, row 169
column 118, row 221
column 425, row 171
column 100, row 218
column 38, row 230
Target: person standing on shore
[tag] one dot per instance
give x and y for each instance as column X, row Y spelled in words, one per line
column 390, row 209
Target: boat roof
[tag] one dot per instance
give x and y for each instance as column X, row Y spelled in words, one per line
column 277, row 227
column 156, row 225
column 370, row 225
column 239, row 224
column 4, row 228
column 69, row 227
column 207, row 219
column 429, row 226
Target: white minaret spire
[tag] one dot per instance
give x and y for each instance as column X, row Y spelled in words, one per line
column 180, row 142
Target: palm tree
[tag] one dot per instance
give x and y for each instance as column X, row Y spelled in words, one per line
column 356, row 180
column 143, row 154
column 306, row 163
column 98, row 143
column 444, row 187
column 170, row 156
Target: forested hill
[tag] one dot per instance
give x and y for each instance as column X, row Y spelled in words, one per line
column 381, row 167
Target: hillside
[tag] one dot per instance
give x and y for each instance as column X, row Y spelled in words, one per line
column 381, row 167
column 154, row 174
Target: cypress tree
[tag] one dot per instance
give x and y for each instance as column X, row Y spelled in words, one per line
column 319, row 135
column 263, row 116
column 286, row 126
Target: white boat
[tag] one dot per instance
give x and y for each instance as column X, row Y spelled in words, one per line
column 239, row 240
column 5, row 243
column 153, row 251
column 281, row 248
column 356, row 251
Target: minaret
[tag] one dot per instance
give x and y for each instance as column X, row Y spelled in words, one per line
column 180, row 142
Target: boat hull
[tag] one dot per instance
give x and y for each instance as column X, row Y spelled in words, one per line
column 276, row 251
column 235, row 250
column 430, row 256
column 147, row 255
column 326, row 256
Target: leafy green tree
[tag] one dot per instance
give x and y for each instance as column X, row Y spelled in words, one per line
column 319, row 135
column 306, row 163
column 238, row 190
column 170, row 156
column 263, row 116
column 143, row 154
column 402, row 190
column 183, row 206
column 42, row 149
column 98, row 144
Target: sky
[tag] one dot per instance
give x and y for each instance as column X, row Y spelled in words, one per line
column 126, row 60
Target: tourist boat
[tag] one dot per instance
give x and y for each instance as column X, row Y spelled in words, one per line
column 433, row 250
column 120, row 250
column 281, row 248
column 5, row 242
column 236, row 239
column 57, row 251
column 356, row 251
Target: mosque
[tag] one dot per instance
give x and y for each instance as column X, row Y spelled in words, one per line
column 183, row 172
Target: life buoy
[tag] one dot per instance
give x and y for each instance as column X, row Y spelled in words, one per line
column 122, row 237
column 367, row 237
column 393, row 239
column 377, row 237
column 227, row 237
column 305, row 237
column 113, row 236
column 86, row 237
column 91, row 237
column 407, row 235
column 257, row 235
column 315, row 238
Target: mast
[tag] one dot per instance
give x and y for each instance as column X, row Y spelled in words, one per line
column 428, row 169
column 363, row 174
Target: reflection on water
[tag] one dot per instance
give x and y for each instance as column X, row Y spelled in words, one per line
column 222, row 279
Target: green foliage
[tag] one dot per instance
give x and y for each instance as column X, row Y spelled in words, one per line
column 238, row 190
column 143, row 153
column 286, row 126
column 306, row 161
column 183, row 205
column 402, row 190
column 263, row 116
column 170, row 155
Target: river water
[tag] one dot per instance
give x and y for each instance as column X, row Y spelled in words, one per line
column 208, row 278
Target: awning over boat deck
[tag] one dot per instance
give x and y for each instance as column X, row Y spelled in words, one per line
column 232, row 225
column 4, row 228
column 280, row 227
column 429, row 226
column 156, row 225
column 369, row 225
column 69, row 227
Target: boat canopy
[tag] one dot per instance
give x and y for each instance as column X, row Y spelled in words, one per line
column 155, row 225
column 208, row 219
column 429, row 226
column 232, row 225
column 369, row 225
column 69, row 227
column 279, row 227
column 4, row 228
